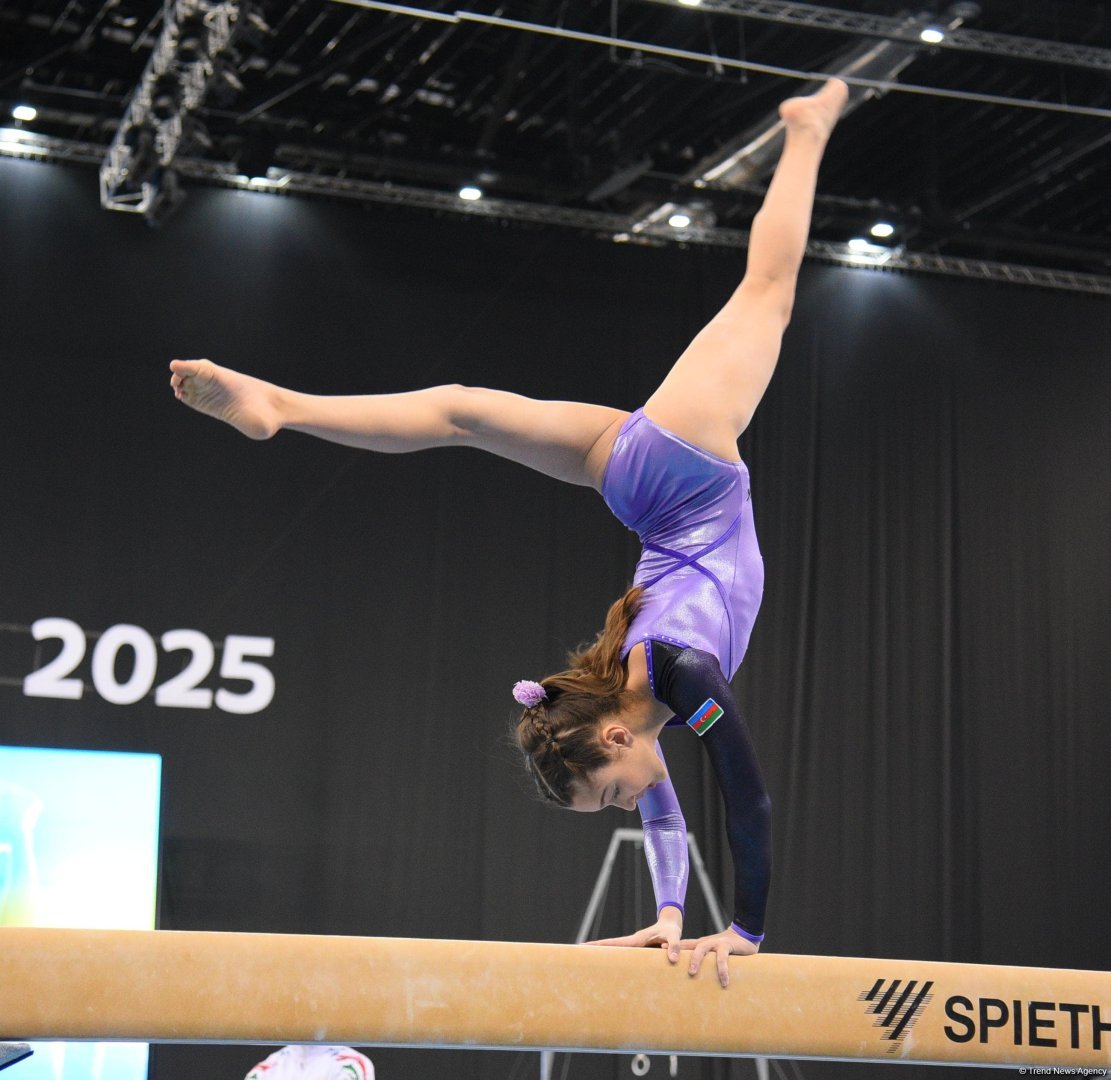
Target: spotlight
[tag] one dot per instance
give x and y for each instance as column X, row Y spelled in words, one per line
column 882, row 229
column 24, row 112
column 932, row 35
column 470, row 193
column 679, row 220
column 691, row 3
column 860, row 250
column 274, row 180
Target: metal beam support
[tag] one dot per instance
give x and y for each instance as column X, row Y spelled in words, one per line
column 810, row 16
column 612, row 226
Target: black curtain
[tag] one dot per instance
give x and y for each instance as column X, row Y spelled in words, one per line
column 927, row 682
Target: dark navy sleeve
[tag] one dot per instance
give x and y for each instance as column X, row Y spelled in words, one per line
column 691, row 683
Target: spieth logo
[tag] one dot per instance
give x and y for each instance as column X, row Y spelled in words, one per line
column 896, row 1007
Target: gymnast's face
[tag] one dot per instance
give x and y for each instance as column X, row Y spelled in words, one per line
column 633, row 769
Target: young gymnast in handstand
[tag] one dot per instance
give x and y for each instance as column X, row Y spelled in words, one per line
column 671, row 472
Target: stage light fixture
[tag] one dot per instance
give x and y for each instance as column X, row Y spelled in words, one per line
column 24, row 112
column 859, row 250
column 470, row 193
column 882, row 229
column 193, row 55
column 932, row 35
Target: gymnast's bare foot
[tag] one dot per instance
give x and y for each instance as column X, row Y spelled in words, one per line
column 818, row 112
column 248, row 404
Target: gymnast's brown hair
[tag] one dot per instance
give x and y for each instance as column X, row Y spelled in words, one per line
column 558, row 737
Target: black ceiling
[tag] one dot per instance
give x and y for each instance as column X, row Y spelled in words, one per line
column 335, row 90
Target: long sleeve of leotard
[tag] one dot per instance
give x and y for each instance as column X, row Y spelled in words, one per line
column 692, row 684
column 665, row 843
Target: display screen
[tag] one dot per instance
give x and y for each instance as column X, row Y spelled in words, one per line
column 79, row 848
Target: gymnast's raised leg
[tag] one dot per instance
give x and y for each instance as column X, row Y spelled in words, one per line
column 714, row 387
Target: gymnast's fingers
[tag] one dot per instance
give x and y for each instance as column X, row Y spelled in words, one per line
column 696, row 957
column 723, row 951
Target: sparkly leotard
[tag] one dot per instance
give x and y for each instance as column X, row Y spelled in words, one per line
column 704, row 579
column 700, row 562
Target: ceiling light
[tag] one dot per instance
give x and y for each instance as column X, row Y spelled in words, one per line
column 24, row 112
column 859, row 250
column 932, row 35
column 679, row 220
column 470, row 193
column 274, row 180
column 882, row 229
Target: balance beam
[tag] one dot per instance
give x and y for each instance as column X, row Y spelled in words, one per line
column 187, row 987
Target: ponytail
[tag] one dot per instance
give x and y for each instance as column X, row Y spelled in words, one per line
column 601, row 660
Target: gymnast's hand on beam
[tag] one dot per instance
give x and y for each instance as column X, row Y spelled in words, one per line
column 722, row 945
column 664, row 932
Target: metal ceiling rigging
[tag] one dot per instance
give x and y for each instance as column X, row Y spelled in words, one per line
column 603, row 115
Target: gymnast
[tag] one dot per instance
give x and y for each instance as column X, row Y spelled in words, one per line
column 671, row 472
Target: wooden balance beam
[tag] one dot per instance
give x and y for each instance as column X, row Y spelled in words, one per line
column 188, row 987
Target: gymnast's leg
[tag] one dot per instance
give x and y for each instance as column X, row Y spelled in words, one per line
column 564, row 439
column 710, row 394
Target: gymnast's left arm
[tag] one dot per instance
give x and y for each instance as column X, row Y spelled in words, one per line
column 691, row 682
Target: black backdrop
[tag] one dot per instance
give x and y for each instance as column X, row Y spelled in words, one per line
column 927, row 682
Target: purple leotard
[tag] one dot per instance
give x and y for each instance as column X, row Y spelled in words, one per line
column 700, row 562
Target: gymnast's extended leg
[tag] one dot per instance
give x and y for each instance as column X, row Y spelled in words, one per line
column 713, row 389
column 564, row 439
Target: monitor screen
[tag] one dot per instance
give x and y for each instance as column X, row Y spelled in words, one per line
column 79, row 848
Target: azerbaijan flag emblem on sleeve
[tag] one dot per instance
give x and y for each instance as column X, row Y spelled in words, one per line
column 706, row 716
